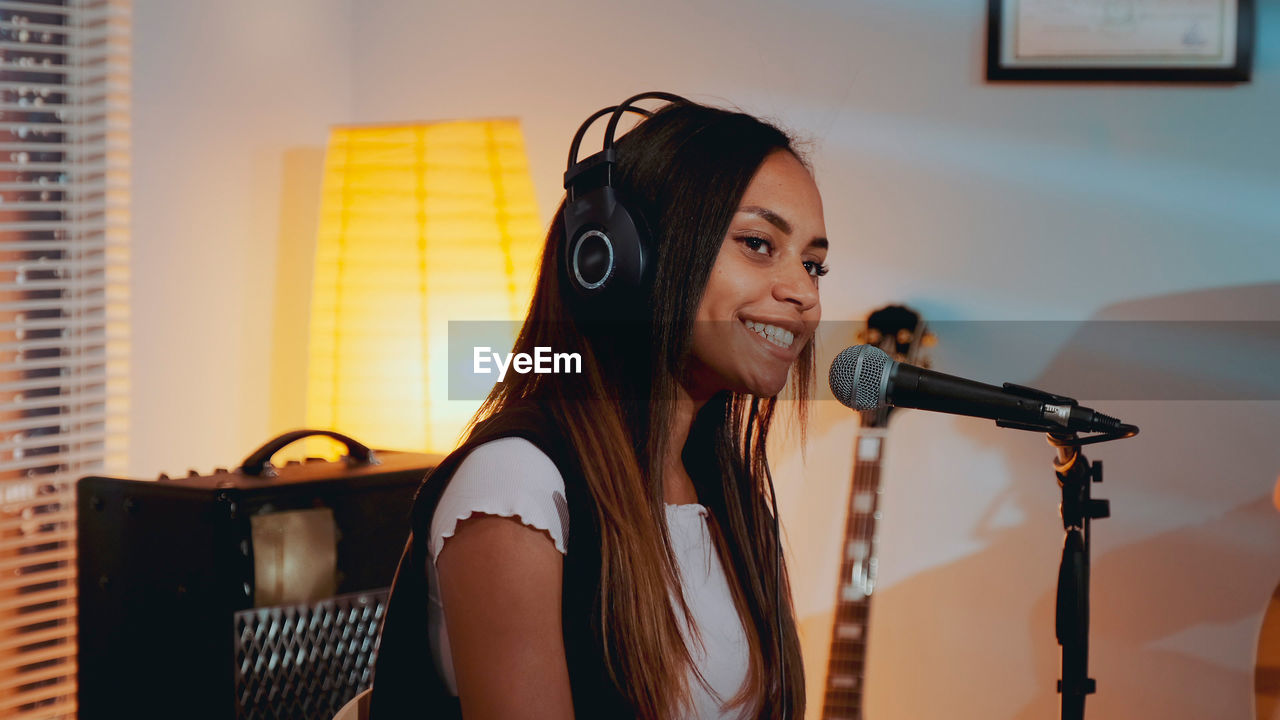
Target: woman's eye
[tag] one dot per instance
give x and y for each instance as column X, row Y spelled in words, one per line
column 816, row 269
column 757, row 244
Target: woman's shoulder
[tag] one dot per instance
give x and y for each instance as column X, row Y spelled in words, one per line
column 505, row 477
column 509, row 459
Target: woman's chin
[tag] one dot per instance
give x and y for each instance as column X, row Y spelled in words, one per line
column 763, row 387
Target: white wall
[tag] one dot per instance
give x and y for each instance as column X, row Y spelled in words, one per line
column 966, row 200
column 222, row 93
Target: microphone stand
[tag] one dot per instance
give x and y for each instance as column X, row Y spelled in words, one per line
column 1076, row 476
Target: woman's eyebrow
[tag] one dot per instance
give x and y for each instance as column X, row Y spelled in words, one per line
column 780, row 222
column 773, row 217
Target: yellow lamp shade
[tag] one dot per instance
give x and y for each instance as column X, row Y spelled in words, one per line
column 420, row 225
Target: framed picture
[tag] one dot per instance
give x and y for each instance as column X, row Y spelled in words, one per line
column 1125, row 40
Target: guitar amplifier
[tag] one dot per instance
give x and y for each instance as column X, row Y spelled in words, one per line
column 253, row 593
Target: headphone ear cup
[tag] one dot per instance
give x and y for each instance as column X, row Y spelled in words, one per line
column 607, row 249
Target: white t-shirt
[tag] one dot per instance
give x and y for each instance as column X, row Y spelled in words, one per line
column 511, row 477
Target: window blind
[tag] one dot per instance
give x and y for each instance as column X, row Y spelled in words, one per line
column 64, row 161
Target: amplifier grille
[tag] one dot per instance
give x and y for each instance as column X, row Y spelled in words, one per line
column 306, row 661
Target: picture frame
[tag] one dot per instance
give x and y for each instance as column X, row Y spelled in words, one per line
column 1206, row 41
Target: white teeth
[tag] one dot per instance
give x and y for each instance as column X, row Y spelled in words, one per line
column 772, row 333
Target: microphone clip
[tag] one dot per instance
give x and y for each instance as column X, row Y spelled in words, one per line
column 1040, row 396
column 1060, row 436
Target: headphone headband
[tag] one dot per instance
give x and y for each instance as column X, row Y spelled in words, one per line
column 625, row 106
column 582, row 129
column 607, row 250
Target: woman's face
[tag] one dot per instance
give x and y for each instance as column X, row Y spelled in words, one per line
column 761, row 306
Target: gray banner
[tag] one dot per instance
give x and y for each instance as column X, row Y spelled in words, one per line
column 1086, row 360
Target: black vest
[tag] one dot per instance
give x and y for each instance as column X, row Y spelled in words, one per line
column 405, row 682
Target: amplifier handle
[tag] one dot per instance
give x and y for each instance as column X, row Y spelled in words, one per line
column 258, row 464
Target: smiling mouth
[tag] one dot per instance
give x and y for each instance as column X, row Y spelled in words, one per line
column 774, row 334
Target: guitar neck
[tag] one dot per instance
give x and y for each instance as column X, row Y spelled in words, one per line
column 845, row 666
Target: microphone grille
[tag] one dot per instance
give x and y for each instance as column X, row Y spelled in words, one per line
column 858, row 376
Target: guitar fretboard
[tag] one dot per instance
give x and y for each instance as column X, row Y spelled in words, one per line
column 843, row 693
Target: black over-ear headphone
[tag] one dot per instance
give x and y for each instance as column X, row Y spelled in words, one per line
column 608, row 249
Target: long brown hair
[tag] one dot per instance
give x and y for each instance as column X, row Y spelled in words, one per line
column 686, row 168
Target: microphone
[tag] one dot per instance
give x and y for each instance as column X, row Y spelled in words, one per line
column 863, row 377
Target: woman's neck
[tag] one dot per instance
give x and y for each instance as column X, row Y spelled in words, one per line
column 677, row 486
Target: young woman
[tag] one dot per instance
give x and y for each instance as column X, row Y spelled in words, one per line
column 603, row 544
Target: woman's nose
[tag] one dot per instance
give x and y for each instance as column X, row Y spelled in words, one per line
column 795, row 285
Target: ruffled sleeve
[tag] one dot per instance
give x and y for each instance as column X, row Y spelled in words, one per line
column 509, row 477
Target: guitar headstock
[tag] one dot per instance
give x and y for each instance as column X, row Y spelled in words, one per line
column 902, row 334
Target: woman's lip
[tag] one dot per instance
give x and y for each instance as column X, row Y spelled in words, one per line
column 778, row 351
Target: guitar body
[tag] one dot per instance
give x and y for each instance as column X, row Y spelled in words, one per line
column 1266, row 674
